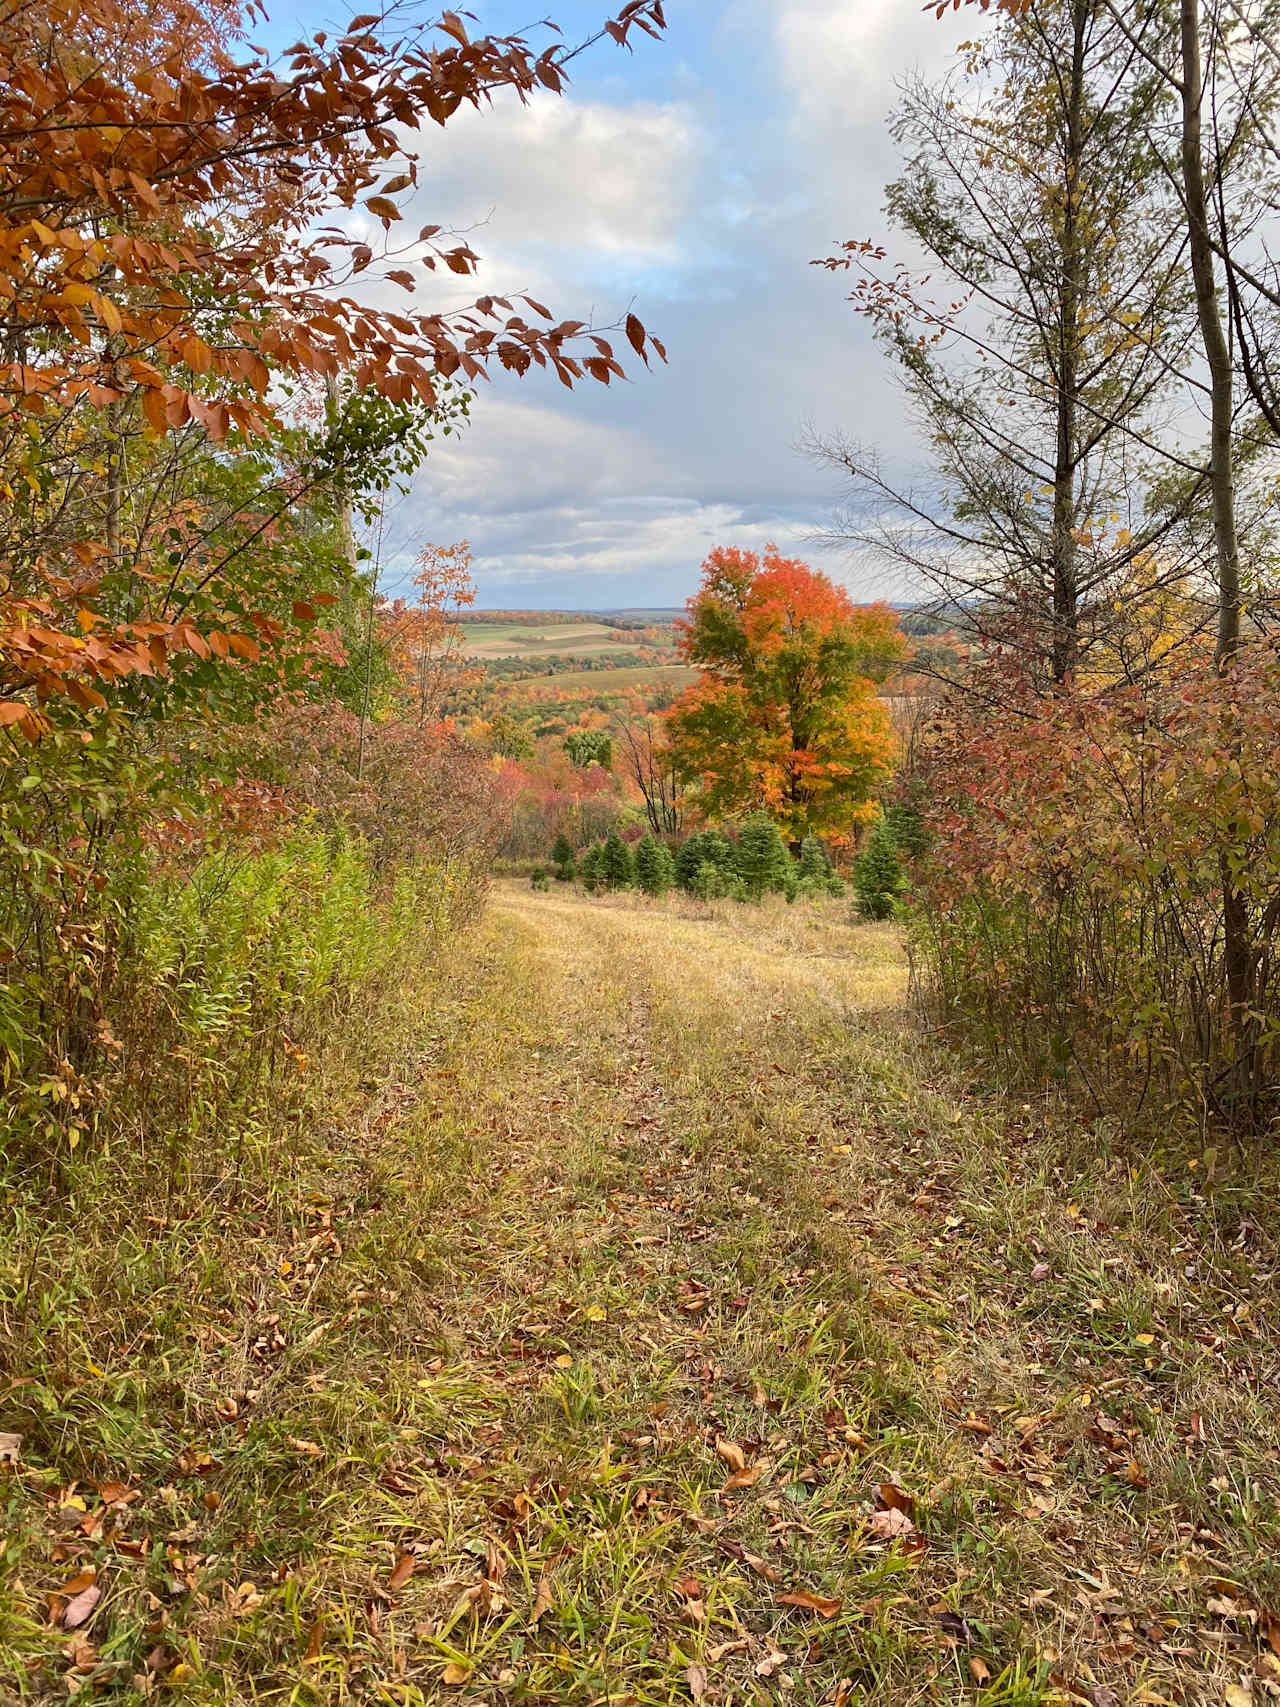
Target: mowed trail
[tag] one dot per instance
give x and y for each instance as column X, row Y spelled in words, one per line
column 779, row 1369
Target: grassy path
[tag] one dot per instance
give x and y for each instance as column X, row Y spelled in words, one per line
column 667, row 1327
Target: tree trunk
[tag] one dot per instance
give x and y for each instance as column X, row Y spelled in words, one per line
column 1065, row 644
column 1239, row 959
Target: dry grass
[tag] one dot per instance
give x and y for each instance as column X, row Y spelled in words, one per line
column 659, row 1191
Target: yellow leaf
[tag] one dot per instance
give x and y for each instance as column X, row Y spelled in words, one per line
column 107, row 312
column 594, row 1313
column 455, row 1674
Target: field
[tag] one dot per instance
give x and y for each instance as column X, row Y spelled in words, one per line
column 657, row 1317
column 589, row 682
column 502, row 640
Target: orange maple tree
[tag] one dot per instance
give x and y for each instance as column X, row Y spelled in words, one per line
column 785, row 715
column 179, row 243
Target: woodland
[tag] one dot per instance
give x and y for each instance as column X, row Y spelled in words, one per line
column 640, row 1156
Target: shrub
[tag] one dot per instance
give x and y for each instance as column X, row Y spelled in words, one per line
column 539, row 878
column 1070, row 907
column 877, row 873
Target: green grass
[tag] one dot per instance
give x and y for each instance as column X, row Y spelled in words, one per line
column 508, row 640
column 586, row 683
column 633, row 1194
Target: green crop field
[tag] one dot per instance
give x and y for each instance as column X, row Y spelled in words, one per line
column 589, row 682
column 512, row 640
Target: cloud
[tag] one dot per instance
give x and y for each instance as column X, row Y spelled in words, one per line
column 612, row 184
column 704, row 212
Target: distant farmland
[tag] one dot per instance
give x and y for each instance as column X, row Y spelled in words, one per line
column 514, row 640
column 593, row 682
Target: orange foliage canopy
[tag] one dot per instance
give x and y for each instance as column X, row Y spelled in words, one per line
column 785, row 716
column 164, row 254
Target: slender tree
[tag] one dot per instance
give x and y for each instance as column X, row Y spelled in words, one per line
column 1040, row 365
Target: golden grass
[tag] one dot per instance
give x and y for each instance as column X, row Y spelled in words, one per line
column 639, row 1292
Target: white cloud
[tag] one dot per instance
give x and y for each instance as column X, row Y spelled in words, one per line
column 611, row 183
column 704, row 211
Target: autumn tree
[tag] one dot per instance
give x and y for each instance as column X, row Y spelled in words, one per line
column 648, row 760
column 1210, row 126
column 589, row 747
column 785, row 717
column 173, row 260
column 1040, row 342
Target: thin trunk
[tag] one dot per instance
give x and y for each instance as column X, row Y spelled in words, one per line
column 1238, row 953
column 1065, row 648
column 346, row 512
column 1213, row 336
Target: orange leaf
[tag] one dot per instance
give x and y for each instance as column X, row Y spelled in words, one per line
column 822, row 1604
column 401, row 1571
column 732, row 1454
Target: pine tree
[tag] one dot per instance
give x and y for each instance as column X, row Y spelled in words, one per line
column 717, row 847
column 652, row 868
column 762, row 861
column 688, row 860
column 591, row 868
column 877, row 873
column 562, row 856
column 815, row 861
column 617, row 867
column 816, row 873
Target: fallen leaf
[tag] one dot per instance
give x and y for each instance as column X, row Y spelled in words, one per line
column 979, row 1670
column 245, row 1599
column 819, row 1603
column 732, row 1454
column 79, row 1609
column 10, row 1448
column 117, row 1493
column 401, row 1571
column 542, row 1601
column 770, row 1663
column 308, row 1448
column 1040, row 1272
column 81, row 1654
column 455, row 1674
column 742, row 1479
column 896, row 1498
column 1238, row 1695
column 314, row 1636
column 697, row 1680
column 891, row 1523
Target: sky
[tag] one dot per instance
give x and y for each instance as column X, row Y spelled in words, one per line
column 692, row 181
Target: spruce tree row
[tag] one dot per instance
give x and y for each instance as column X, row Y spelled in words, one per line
column 707, row 864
